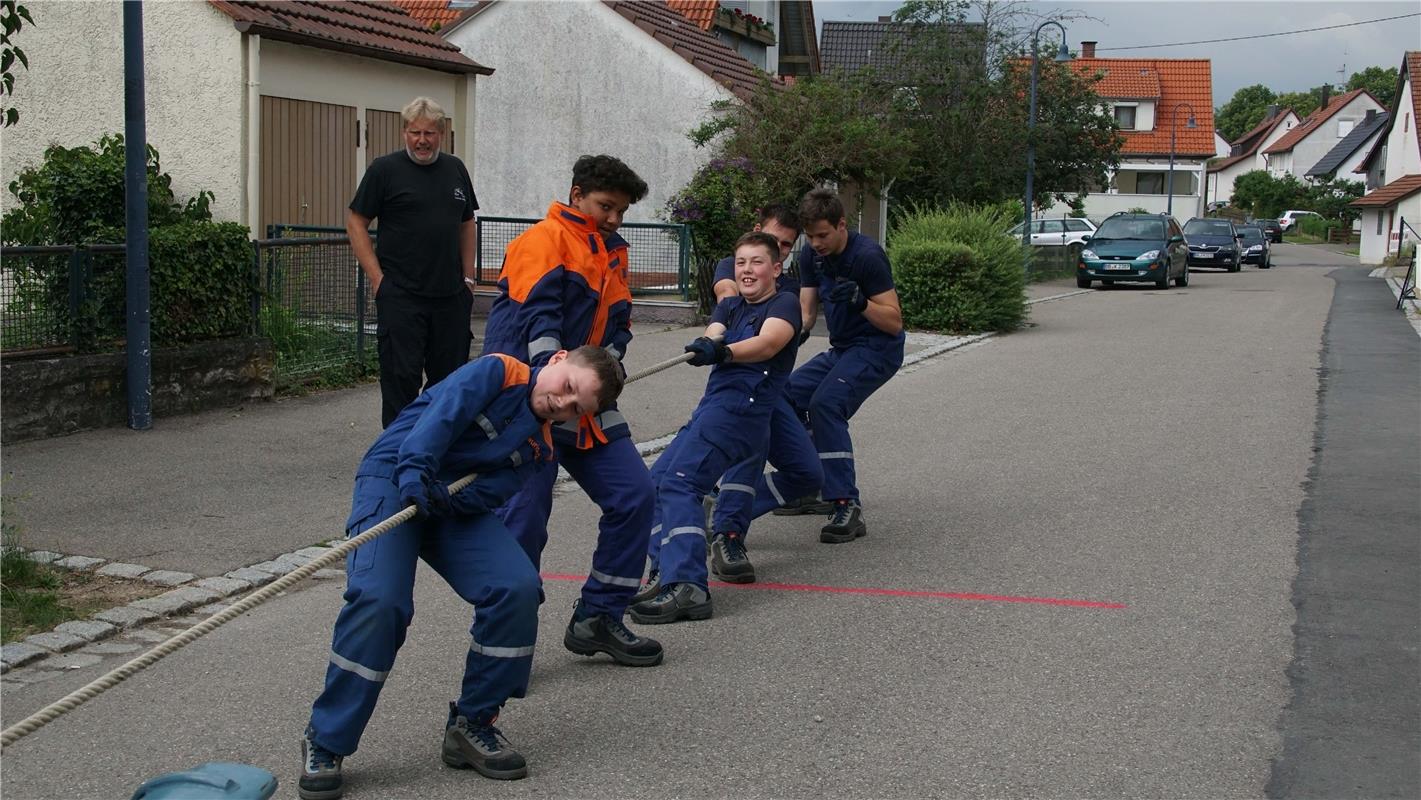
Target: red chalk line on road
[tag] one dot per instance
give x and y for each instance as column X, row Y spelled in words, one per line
column 970, row 596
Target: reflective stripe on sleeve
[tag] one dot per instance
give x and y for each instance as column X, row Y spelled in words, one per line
column 542, row 345
column 837, row 454
column 487, row 426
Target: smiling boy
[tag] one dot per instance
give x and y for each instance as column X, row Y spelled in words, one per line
column 490, row 417
column 760, row 330
column 564, row 283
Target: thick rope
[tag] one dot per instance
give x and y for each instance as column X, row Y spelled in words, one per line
column 88, row 692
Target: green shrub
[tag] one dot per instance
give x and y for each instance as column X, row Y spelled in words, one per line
column 720, row 203
column 957, row 270
column 200, row 271
column 1314, row 226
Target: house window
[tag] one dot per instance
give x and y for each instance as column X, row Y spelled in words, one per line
column 1379, row 223
column 1149, row 183
column 1344, row 127
column 1125, row 117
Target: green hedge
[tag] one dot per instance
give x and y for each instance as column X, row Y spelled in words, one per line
column 956, row 270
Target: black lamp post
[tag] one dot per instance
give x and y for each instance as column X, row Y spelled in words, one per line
column 1061, row 55
column 1173, row 118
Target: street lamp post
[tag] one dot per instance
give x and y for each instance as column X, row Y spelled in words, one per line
column 1061, row 55
column 1173, row 118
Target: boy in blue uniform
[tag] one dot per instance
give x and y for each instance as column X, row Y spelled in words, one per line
column 491, row 417
column 761, row 336
column 851, row 273
column 564, row 283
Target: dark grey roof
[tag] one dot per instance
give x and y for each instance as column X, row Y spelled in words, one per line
column 1329, row 163
column 854, row 45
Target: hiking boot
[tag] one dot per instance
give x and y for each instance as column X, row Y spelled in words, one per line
column 729, row 560
column 845, row 523
column 320, row 771
column 600, row 633
column 650, row 589
column 482, row 747
column 675, row 602
column 809, row 504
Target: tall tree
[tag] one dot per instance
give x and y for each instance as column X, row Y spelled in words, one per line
column 1243, row 111
column 1380, row 81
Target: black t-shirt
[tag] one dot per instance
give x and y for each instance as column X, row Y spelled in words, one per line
column 419, row 208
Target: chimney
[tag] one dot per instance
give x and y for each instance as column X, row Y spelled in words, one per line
column 885, row 19
column 1272, row 111
column 1371, row 115
column 1087, row 49
column 1326, row 95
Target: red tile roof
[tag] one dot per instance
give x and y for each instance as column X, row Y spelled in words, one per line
column 1404, row 186
column 1413, row 74
column 1179, row 81
column 373, row 29
column 701, row 12
column 1410, row 72
column 701, row 48
column 1252, row 140
column 429, row 12
column 1314, row 121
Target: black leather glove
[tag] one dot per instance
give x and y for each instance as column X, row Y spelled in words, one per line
column 429, row 497
column 705, row 351
column 849, row 293
column 803, row 336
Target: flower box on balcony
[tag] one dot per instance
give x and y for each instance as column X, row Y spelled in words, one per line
column 747, row 25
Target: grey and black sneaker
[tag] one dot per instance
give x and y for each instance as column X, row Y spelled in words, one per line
column 845, row 523
column 729, row 560
column 650, row 589
column 478, row 745
column 599, row 633
column 675, row 602
column 320, row 771
column 809, row 504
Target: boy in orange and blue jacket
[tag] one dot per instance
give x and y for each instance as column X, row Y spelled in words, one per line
column 564, row 284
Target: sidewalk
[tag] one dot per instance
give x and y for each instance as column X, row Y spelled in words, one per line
column 210, row 493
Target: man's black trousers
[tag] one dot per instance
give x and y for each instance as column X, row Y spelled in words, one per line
column 418, row 337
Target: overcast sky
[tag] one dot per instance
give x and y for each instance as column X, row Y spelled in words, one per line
column 1282, row 63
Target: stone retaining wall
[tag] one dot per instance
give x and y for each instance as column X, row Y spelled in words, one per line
column 49, row 396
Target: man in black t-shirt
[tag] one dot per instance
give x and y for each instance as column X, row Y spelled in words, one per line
column 422, row 267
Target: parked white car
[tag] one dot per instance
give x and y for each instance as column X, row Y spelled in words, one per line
column 1058, row 231
column 1290, row 218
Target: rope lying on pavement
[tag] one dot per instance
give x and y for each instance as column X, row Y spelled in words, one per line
column 113, row 678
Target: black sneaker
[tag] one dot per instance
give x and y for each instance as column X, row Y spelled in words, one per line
column 845, row 524
column 809, row 504
column 601, row 634
column 482, row 747
column 729, row 560
column 320, row 771
column 675, row 602
column 650, row 589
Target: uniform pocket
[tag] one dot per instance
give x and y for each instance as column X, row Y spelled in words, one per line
column 367, row 510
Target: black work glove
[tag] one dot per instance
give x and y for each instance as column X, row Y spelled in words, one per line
column 705, row 351
column 849, row 293
column 429, row 497
column 803, row 336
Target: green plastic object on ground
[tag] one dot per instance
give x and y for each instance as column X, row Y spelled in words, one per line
column 214, row 780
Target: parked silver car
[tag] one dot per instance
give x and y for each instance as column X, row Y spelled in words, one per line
column 1057, row 231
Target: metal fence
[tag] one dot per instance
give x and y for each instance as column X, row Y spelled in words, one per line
column 312, row 303
column 47, row 298
column 660, row 253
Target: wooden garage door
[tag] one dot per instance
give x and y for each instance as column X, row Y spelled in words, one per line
column 308, row 162
column 383, row 134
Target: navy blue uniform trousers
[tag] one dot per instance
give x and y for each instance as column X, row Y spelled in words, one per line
column 720, row 434
column 615, row 477
column 477, row 557
column 748, row 492
column 829, row 388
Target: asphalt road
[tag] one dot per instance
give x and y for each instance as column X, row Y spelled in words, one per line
column 1146, row 452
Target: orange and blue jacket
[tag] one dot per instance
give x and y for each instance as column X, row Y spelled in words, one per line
column 563, row 286
column 478, row 419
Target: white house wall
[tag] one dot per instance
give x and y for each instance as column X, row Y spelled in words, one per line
column 1403, row 156
column 72, row 92
column 1376, row 246
column 574, row 78
column 1320, row 142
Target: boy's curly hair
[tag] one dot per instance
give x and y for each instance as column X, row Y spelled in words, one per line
column 606, row 173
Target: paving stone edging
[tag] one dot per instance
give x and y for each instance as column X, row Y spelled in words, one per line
column 188, row 592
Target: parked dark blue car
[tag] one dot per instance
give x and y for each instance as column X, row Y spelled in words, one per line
column 1213, row 243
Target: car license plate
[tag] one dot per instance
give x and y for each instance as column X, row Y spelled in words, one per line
column 1203, row 255
column 1118, row 266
